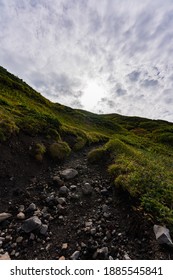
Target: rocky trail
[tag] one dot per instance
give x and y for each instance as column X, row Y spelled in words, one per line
column 71, row 211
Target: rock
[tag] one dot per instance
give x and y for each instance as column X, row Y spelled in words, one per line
column 43, row 229
column 105, row 208
column 61, row 200
column 21, row 208
column 57, row 181
column 5, row 257
column 93, row 231
column 4, row 216
column 101, row 253
column 31, row 224
column 32, row 236
column 32, row 207
column 126, row 256
column 21, row 216
column 88, row 224
column 63, row 190
column 73, row 188
column 62, row 258
column 19, row 239
column 69, row 173
column 104, row 192
column 75, row 255
column 64, row 246
column 87, row 189
column 162, row 235
column 51, row 200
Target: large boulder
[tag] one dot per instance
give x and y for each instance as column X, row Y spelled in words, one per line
column 69, row 173
column 162, row 235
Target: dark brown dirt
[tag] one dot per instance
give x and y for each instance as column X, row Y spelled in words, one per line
column 23, row 180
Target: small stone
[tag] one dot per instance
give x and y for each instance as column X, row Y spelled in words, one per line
column 4, row 216
column 88, row 224
column 19, row 239
column 5, row 257
column 83, row 245
column 8, row 238
column 31, row 224
column 75, row 255
column 13, row 253
column 105, row 208
column 32, row 207
column 64, row 246
column 93, row 231
column 61, row 200
column 14, row 245
column 32, row 236
column 17, row 254
column 63, row 190
column 73, row 188
column 62, row 258
column 1, row 243
column 126, row 256
column 43, row 229
column 21, row 208
column 21, row 216
column 87, row 189
column 69, row 173
column 57, row 181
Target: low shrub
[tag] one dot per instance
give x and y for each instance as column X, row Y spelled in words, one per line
column 59, row 150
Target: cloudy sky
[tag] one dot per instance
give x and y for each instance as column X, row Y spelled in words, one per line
column 104, row 56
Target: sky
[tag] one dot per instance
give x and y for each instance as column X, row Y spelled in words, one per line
column 104, row 56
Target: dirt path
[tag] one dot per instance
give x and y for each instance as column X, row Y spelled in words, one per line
column 86, row 220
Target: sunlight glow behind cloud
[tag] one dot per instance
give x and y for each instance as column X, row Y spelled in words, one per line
column 108, row 56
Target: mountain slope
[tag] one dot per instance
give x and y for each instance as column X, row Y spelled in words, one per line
column 138, row 152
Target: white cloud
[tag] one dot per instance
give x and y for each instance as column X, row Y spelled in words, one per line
column 123, row 47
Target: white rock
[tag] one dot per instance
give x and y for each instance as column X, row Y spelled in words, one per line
column 162, row 235
column 4, row 216
column 5, row 257
column 21, row 216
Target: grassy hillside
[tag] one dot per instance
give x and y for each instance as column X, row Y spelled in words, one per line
column 139, row 151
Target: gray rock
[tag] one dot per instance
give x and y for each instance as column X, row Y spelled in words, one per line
column 19, row 239
column 31, row 224
column 75, row 255
column 4, row 216
column 32, row 207
column 61, row 200
column 63, row 190
column 105, row 208
column 162, row 235
column 126, row 256
column 21, row 208
column 73, row 188
column 101, row 253
column 69, row 173
column 87, row 189
column 43, row 229
column 57, row 181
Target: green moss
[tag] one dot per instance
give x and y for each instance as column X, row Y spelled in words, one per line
column 97, row 156
column 59, row 150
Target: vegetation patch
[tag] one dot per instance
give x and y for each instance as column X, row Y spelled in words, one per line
column 59, row 150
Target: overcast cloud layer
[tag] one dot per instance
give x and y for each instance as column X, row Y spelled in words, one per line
column 104, row 56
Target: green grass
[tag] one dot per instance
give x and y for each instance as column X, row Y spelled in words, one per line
column 139, row 151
